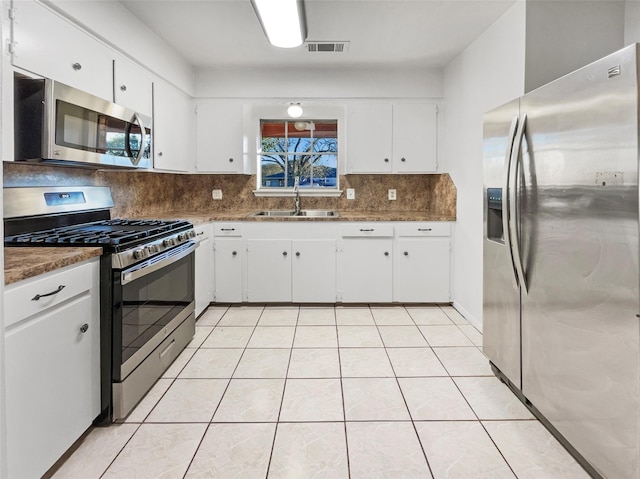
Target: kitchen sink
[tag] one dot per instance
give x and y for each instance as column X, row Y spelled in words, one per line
column 301, row 214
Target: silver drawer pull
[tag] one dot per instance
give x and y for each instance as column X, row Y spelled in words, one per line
column 84, row 328
column 227, row 229
column 200, row 234
column 425, row 229
column 363, row 229
column 38, row 296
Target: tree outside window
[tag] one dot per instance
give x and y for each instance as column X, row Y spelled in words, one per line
column 304, row 149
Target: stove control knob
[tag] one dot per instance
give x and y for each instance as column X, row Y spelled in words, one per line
column 168, row 242
column 153, row 249
column 192, row 233
column 182, row 237
column 140, row 253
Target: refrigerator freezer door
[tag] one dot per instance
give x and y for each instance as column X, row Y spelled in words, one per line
column 501, row 295
column 580, row 333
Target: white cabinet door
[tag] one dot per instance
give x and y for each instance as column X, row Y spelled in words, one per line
column 421, row 270
column 133, row 86
column 50, row 46
column 268, row 270
column 369, row 128
column 52, row 374
column 414, row 138
column 204, row 268
column 228, row 277
column 173, row 129
column 219, row 142
column 366, row 267
column 314, row 271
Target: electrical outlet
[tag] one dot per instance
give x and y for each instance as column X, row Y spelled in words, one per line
column 392, row 194
column 216, row 194
column 351, row 193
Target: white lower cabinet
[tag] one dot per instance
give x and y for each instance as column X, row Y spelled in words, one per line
column 268, row 270
column 299, row 271
column 327, row 262
column 421, row 263
column 52, row 365
column 204, row 267
column 313, row 271
column 366, row 266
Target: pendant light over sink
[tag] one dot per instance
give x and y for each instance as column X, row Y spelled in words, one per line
column 283, row 21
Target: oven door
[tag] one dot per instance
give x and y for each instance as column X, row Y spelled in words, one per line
column 150, row 300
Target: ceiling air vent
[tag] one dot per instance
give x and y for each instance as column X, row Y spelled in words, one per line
column 331, row 47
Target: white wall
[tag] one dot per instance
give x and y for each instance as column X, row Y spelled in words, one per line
column 488, row 73
column 631, row 22
column 325, row 83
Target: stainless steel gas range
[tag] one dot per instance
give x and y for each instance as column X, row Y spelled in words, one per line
column 146, row 281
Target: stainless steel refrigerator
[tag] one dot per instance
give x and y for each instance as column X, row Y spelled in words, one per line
column 561, row 274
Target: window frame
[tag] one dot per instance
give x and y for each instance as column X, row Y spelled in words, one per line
column 315, row 112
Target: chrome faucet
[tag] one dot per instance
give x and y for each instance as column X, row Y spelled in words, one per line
column 296, row 192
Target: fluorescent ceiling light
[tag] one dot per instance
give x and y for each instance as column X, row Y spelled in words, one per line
column 283, row 21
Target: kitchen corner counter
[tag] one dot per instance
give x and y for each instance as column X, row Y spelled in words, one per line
column 23, row 263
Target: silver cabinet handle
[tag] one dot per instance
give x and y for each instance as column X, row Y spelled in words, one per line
column 76, row 66
column 123, row 87
column 230, row 160
column 297, row 253
column 38, row 296
column 234, row 253
column 200, row 234
column 227, row 229
column 386, row 160
column 403, row 159
column 284, row 253
column 425, row 229
column 84, row 328
column 406, row 253
column 364, row 229
column 386, row 253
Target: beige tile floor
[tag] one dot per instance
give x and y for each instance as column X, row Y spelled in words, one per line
column 327, row 392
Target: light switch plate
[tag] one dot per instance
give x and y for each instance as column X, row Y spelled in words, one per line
column 216, row 194
column 392, row 194
column 351, row 193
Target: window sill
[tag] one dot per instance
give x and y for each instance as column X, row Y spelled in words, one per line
column 317, row 192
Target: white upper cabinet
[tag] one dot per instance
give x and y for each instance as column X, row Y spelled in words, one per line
column 414, row 138
column 132, row 86
column 49, row 46
column 219, row 142
column 392, row 138
column 173, row 129
column 369, row 128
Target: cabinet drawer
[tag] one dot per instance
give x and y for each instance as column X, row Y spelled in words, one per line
column 20, row 299
column 203, row 231
column 424, row 229
column 227, row 229
column 367, row 230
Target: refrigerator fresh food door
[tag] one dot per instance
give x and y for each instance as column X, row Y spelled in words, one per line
column 580, row 333
column 501, row 293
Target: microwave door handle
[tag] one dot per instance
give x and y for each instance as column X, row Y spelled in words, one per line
column 143, row 140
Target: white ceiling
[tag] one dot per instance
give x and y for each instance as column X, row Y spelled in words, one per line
column 426, row 33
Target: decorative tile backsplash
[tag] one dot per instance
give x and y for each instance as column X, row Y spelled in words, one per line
column 142, row 193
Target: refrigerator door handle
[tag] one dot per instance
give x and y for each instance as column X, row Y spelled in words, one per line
column 506, row 211
column 513, row 195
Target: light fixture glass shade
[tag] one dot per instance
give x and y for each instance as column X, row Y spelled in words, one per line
column 283, row 21
column 294, row 110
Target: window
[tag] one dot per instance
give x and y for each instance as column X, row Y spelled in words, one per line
column 306, row 150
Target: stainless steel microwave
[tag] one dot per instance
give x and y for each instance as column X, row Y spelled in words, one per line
column 57, row 123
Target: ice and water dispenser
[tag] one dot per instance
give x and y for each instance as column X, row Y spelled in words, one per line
column 494, row 215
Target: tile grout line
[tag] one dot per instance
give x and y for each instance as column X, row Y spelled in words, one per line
column 344, row 408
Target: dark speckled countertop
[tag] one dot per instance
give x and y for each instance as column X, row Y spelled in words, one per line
column 23, row 263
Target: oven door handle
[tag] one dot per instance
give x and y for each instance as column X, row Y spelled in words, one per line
column 136, row 273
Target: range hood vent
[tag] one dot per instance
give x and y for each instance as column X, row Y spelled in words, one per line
column 330, row 47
